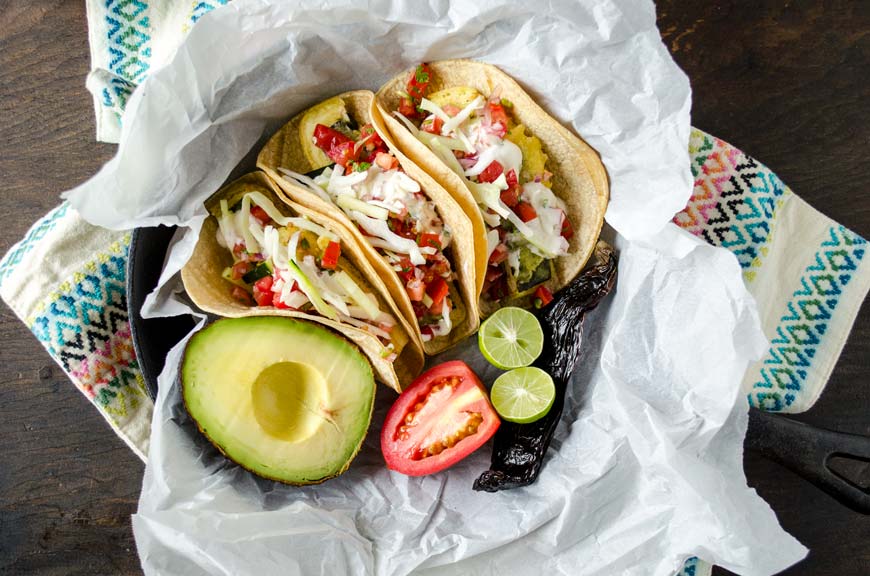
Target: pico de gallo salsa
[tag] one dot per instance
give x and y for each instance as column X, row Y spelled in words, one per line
column 293, row 263
column 505, row 169
column 392, row 211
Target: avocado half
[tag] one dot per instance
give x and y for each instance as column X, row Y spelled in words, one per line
column 286, row 399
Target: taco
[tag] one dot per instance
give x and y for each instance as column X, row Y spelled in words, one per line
column 259, row 254
column 332, row 159
column 535, row 193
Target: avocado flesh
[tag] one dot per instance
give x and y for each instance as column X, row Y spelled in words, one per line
column 284, row 398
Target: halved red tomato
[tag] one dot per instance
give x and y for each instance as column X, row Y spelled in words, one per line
column 444, row 416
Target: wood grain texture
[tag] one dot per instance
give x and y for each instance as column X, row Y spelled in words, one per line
column 788, row 83
column 785, row 81
column 67, row 485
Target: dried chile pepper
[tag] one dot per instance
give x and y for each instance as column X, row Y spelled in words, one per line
column 519, row 449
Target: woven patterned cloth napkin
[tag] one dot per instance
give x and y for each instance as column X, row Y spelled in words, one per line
column 66, row 278
column 66, row 281
column 128, row 38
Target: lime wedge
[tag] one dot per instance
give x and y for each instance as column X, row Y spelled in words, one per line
column 523, row 395
column 511, row 338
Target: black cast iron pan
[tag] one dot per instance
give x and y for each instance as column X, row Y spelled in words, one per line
column 800, row 447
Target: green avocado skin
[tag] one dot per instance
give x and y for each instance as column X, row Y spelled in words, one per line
column 220, row 366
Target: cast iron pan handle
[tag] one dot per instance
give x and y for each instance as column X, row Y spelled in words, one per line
column 807, row 450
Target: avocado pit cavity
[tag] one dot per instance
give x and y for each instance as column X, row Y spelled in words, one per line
column 288, row 400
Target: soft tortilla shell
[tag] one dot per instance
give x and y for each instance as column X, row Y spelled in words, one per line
column 579, row 177
column 210, row 292
column 283, row 150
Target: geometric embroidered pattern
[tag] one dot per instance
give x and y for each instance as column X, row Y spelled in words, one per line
column 129, row 39
column 116, row 94
column 34, row 235
column 689, row 568
column 84, row 325
column 201, row 8
column 734, row 201
column 805, row 319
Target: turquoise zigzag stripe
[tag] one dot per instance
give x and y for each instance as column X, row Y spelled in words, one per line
column 129, row 39
column 805, row 320
column 36, row 233
column 203, row 8
column 744, row 214
column 689, row 568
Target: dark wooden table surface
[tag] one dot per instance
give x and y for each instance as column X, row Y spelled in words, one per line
column 788, row 82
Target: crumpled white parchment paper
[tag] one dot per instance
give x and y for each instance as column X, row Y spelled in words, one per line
column 646, row 466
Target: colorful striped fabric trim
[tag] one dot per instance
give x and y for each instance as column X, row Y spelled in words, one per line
column 34, row 236
column 806, row 272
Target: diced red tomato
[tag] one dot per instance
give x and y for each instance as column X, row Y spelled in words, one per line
column 525, row 211
column 264, row 284
column 439, row 266
column 407, row 108
column 437, row 290
column 499, row 255
column 240, row 269
column 260, row 215
column 432, row 125
column 541, row 297
column 444, row 416
column 263, row 298
column 511, row 196
column 437, row 308
column 386, row 161
column 263, row 291
column 491, row 172
column 327, row 138
column 407, row 269
column 239, row 250
column 330, row 255
column 276, row 301
column 343, row 154
column 402, row 228
column 241, row 295
column 418, row 82
column 429, row 240
column 374, row 139
column 567, row 228
column 373, row 145
column 415, row 289
column 499, row 118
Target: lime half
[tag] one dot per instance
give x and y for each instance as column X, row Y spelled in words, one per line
column 511, row 338
column 523, row 395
